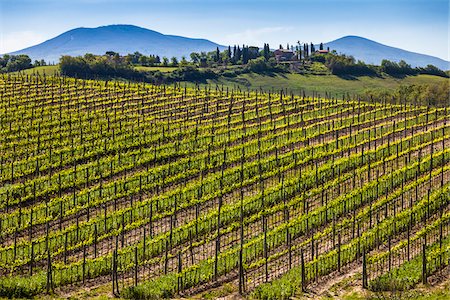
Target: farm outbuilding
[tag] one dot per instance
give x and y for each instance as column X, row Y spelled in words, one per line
column 283, row 55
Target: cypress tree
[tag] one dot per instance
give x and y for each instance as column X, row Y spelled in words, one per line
column 244, row 54
column 266, row 51
column 238, row 54
column 217, row 54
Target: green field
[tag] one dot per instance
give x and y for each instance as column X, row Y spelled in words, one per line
column 325, row 83
column 169, row 192
column 160, row 69
column 47, row 70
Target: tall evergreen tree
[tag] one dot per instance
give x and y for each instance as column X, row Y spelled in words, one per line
column 299, row 50
column 244, row 54
column 321, row 46
column 229, row 52
column 217, row 58
column 266, row 51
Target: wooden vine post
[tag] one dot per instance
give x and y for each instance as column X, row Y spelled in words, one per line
column 424, row 263
column 364, row 270
column 180, row 278
column 339, row 253
column 241, row 215
column 302, row 263
column 49, row 274
column 135, row 266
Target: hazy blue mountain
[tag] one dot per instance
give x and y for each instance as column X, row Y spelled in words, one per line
column 373, row 53
column 123, row 39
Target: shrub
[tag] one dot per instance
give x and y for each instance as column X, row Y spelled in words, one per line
column 22, row 287
column 163, row 287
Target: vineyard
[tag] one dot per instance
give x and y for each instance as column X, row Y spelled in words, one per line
column 159, row 191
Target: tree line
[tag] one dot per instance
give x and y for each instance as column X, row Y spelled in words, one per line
column 340, row 64
column 14, row 63
column 110, row 64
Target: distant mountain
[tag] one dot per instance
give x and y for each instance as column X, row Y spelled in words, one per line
column 123, row 39
column 373, row 53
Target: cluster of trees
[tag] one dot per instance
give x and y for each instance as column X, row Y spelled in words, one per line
column 263, row 65
column 112, row 65
column 402, row 69
column 91, row 66
column 243, row 55
column 421, row 94
column 188, row 73
column 230, row 56
column 303, row 51
column 12, row 63
column 139, row 59
column 347, row 65
column 394, row 68
column 39, row 63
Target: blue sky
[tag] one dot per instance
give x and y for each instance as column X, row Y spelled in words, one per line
column 415, row 25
